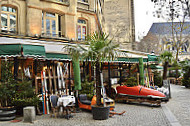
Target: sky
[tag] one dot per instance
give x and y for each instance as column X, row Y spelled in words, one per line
column 143, row 17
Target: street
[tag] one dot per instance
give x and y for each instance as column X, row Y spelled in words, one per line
column 178, row 110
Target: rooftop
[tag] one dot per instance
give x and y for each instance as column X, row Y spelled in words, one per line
column 166, row 28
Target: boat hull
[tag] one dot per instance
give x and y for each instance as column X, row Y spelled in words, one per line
column 140, row 94
column 139, row 91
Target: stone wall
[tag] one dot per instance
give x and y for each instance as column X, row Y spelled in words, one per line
column 119, row 21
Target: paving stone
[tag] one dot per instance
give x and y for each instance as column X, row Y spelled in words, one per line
column 136, row 115
column 179, row 104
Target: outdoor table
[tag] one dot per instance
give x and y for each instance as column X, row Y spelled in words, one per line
column 66, row 102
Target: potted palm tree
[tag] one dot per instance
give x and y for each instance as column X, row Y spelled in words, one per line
column 98, row 49
column 166, row 58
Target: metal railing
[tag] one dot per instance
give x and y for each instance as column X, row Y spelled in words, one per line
column 59, row 1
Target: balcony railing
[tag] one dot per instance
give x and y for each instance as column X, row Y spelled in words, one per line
column 49, row 35
column 83, row 1
column 65, row 2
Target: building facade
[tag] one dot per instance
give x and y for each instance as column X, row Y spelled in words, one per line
column 160, row 39
column 34, row 32
column 119, row 22
column 69, row 19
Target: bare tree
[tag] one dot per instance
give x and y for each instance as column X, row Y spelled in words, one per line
column 172, row 10
column 149, row 43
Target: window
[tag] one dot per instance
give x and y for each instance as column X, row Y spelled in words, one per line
column 8, row 19
column 82, row 29
column 51, row 24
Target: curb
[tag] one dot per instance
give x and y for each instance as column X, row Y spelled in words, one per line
column 170, row 116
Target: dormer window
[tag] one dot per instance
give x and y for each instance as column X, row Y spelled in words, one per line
column 8, row 19
column 82, row 29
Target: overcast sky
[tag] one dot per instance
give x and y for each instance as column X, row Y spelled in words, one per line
column 143, row 17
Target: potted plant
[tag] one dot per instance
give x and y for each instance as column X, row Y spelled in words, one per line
column 25, row 96
column 98, row 48
column 130, row 82
column 7, row 92
column 186, row 75
column 87, row 88
column 166, row 58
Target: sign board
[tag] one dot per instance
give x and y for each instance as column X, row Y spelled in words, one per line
column 113, row 80
column 165, row 83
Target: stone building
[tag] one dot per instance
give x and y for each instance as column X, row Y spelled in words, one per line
column 68, row 19
column 119, row 22
column 160, row 38
column 34, row 32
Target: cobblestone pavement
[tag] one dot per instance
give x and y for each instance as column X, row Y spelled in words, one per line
column 136, row 115
column 179, row 104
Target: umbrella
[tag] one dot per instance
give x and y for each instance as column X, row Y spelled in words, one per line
column 76, row 70
column 141, row 70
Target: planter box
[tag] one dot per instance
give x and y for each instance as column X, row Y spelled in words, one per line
column 7, row 114
column 100, row 113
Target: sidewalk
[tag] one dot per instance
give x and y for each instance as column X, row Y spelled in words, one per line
column 179, row 104
column 174, row 113
column 136, row 115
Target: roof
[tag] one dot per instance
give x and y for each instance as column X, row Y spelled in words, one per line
column 166, row 28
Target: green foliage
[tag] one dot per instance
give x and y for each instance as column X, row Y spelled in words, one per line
column 98, row 48
column 15, row 93
column 8, row 84
column 25, row 89
column 130, row 82
column 173, row 74
column 166, row 56
column 157, row 79
column 186, row 76
column 87, row 88
column 25, row 95
column 20, row 103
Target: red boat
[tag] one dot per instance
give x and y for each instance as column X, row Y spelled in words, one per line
column 139, row 94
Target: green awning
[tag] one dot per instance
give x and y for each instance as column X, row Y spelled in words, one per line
column 10, row 50
column 152, row 58
column 16, row 49
column 33, row 50
column 152, row 66
column 58, row 56
column 129, row 60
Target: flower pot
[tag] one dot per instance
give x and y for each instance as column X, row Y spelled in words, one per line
column 7, row 113
column 100, row 113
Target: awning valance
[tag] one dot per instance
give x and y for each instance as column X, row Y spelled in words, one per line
column 58, row 56
column 129, row 60
column 152, row 66
column 152, row 58
column 22, row 49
